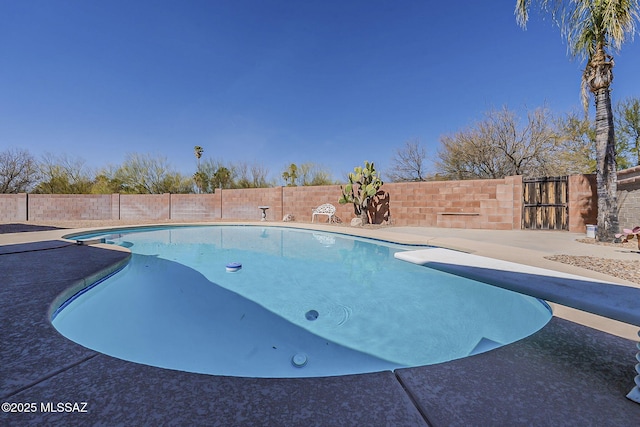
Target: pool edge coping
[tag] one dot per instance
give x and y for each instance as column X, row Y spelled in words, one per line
column 110, row 267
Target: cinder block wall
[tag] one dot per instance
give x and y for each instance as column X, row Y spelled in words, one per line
column 13, row 207
column 489, row 204
column 629, row 197
column 243, row 203
column 494, row 204
column 145, row 206
column 195, row 206
column 300, row 202
column 68, row 207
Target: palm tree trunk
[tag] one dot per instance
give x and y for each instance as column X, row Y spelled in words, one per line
column 606, row 167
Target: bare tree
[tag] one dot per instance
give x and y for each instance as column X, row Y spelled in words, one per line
column 498, row 146
column 61, row 174
column 146, row 174
column 18, row 171
column 627, row 120
column 578, row 135
column 306, row 174
column 250, row 176
column 314, row 174
column 408, row 163
column 259, row 175
column 243, row 180
column 578, row 140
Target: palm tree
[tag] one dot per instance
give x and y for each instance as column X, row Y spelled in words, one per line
column 198, row 152
column 290, row 175
column 200, row 178
column 591, row 27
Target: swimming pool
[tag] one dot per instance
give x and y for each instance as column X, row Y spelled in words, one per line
column 305, row 303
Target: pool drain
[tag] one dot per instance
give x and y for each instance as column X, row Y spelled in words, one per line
column 299, row 360
column 311, row 315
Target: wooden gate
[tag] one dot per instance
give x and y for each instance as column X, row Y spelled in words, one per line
column 545, row 203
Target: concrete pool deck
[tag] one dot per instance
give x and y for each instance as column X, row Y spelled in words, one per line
column 565, row 374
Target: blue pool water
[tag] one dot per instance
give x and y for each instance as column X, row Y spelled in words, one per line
column 304, row 303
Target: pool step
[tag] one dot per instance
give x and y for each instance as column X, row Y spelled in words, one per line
column 485, row 344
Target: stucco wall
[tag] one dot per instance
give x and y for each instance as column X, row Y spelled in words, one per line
column 583, row 202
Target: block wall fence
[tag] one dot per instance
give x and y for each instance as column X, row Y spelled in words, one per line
column 485, row 204
column 629, row 197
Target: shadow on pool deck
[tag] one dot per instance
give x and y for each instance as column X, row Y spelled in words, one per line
column 565, row 374
column 25, row 228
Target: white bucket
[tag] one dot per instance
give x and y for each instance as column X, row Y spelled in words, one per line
column 591, row 231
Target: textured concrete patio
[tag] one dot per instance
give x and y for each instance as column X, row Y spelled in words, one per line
column 565, row 374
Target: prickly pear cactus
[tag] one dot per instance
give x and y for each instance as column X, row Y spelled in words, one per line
column 363, row 184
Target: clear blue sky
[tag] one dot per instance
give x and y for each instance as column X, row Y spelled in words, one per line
column 334, row 82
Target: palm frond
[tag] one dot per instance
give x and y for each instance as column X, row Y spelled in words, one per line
column 585, row 23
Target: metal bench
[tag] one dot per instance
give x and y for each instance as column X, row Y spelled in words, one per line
column 327, row 209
